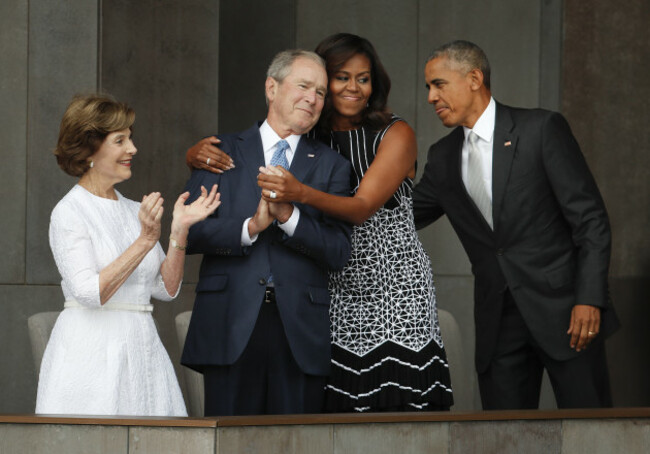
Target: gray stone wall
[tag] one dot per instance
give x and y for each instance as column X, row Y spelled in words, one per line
column 195, row 67
column 605, row 93
column 544, row 436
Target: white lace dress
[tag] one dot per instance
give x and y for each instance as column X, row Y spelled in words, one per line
column 105, row 360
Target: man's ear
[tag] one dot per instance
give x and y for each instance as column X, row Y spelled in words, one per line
column 271, row 87
column 476, row 78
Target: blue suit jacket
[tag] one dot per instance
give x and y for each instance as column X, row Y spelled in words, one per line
column 233, row 278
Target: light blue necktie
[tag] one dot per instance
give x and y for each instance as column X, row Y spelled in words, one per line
column 279, row 157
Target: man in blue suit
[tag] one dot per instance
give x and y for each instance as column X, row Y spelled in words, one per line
column 259, row 331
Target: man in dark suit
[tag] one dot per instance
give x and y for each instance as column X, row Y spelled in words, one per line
column 259, row 331
column 517, row 190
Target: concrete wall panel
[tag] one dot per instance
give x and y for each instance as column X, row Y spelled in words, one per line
column 280, row 439
column 13, row 130
column 55, row 439
column 401, row 438
column 611, row 127
column 587, row 437
column 62, row 61
column 506, row 437
column 166, row 68
column 159, row 440
column 252, row 32
column 605, row 95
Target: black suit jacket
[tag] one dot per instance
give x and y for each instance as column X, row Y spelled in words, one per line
column 551, row 241
column 233, row 278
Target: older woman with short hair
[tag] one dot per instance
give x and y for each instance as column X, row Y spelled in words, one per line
column 104, row 356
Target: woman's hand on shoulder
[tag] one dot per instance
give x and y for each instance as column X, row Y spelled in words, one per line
column 150, row 214
column 185, row 216
column 207, row 156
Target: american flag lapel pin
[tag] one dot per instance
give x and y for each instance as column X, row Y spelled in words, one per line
column 507, row 144
column 309, row 155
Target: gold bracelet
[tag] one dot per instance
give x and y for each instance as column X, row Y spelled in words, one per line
column 175, row 244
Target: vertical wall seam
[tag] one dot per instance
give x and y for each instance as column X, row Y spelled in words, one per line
column 560, row 84
column 100, row 17
column 542, row 43
column 416, row 113
column 27, row 127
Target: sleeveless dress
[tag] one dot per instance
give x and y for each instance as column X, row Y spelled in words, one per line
column 387, row 352
column 105, row 360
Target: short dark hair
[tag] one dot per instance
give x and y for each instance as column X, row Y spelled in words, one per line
column 84, row 127
column 466, row 54
column 336, row 50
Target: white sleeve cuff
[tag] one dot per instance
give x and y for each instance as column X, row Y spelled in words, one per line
column 246, row 239
column 289, row 227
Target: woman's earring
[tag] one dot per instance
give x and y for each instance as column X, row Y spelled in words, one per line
column 91, row 164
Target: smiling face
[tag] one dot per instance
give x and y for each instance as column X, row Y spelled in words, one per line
column 296, row 103
column 350, row 89
column 112, row 161
column 457, row 95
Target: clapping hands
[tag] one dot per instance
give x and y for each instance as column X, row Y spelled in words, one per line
column 150, row 214
column 186, row 216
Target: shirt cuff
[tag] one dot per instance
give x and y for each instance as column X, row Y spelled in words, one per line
column 289, row 227
column 246, row 239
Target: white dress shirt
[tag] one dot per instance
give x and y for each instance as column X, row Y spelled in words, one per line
column 484, row 129
column 270, row 140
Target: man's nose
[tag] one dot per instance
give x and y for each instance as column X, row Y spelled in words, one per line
column 310, row 96
column 433, row 95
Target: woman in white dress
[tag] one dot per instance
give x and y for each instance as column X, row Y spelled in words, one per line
column 104, row 356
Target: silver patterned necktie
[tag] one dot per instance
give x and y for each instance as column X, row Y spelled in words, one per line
column 475, row 183
column 279, row 157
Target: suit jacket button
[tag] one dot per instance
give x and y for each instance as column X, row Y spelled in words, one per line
column 262, row 281
column 500, row 252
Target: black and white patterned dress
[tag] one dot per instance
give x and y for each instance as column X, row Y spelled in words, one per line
column 387, row 353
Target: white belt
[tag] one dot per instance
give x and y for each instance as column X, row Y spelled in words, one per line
column 111, row 306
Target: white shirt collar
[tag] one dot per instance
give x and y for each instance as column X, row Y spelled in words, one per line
column 484, row 126
column 270, row 138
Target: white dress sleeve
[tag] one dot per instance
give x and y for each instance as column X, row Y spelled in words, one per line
column 74, row 255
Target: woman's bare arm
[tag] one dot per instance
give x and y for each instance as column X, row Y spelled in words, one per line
column 395, row 160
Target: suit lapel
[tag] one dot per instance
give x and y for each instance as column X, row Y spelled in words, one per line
column 505, row 146
column 251, row 156
column 304, row 159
